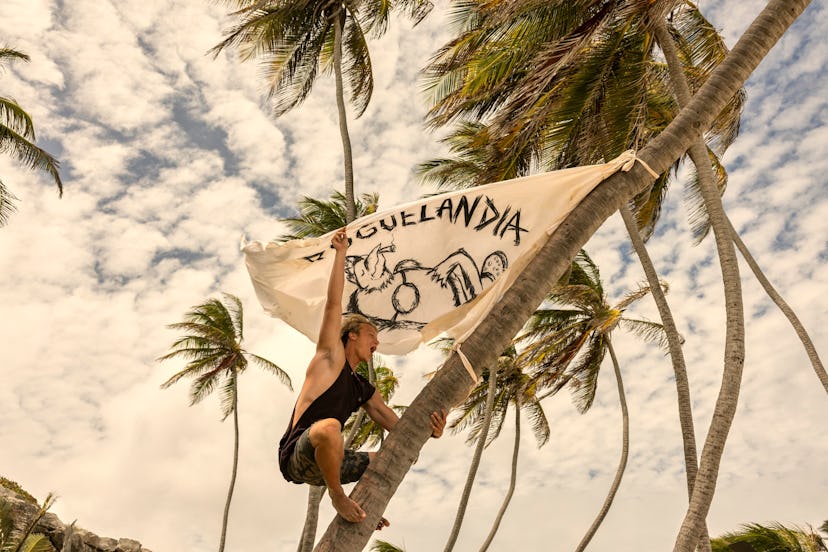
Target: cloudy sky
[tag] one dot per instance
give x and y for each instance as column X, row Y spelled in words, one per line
column 169, row 157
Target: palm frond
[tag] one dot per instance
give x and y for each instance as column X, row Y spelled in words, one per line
column 29, row 155
column 651, row 332
column 272, row 368
column 16, row 118
column 7, row 204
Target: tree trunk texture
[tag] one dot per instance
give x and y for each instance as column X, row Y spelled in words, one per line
column 451, row 384
column 685, row 410
column 235, row 462
column 800, row 330
column 512, row 484
column 475, row 463
column 350, row 205
column 625, row 451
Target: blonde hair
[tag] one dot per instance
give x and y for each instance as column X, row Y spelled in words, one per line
column 351, row 323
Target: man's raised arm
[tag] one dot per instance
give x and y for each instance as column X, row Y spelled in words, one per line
column 332, row 316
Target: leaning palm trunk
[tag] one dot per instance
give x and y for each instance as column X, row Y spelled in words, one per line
column 339, row 26
column 685, row 409
column 734, row 354
column 451, row 384
column 512, row 483
column 625, row 451
column 475, row 463
column 235, row 462
column 800, row 330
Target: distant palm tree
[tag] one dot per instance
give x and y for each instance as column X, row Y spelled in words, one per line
column 566, row 344
column 775, row 537
column 18, row 535
column 17, row 138
column 512, row 387
column 295, row 39
column 212, row 347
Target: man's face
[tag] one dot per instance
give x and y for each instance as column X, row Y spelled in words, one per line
column 366, row 341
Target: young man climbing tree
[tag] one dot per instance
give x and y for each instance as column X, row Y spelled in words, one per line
column 312, row 449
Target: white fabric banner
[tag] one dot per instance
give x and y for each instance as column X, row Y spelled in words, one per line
column 431, row 266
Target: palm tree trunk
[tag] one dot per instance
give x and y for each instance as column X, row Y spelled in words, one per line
column 350, row 205
column 625, row 450
column 235, row 461
column 512, row 483
column 315, row 494
column 685, row 409
column 475, row 463
column 451, row 384
column 734, row 355
column 800, row 330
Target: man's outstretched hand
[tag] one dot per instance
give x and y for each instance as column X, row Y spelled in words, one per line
column 438, row 423
column 340, row 239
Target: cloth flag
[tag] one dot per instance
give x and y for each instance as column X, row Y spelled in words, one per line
column 429, row 267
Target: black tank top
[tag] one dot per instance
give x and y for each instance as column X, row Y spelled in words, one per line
column 345, row 395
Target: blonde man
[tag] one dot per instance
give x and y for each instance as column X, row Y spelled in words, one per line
column 312, row 449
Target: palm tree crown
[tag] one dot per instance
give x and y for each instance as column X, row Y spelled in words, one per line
column 212, row 347
column 567, row 341
column 17, row 138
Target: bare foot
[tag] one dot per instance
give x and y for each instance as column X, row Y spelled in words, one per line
column 383, row 523
column 347, row 508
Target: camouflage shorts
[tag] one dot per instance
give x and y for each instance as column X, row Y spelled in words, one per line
column 302, row 464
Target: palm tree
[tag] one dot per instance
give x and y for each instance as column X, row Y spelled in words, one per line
column 17, row 138
column 576, row 119
column 297, row 39
column 451, row 384
column 567, row 341
column 512, row 387
column 212, row 347
column 483, row 413
column 19, row 535
column 774, row 537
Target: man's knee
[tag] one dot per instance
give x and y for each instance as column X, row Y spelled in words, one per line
column 327, row 431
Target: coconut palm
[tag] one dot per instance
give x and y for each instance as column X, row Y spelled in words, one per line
column 478, row 160
column 566, row 343
column 579, row 118
column 483, row 414
column 17, row 535
column 452, row 382
column 775, row 537
column 212, row 347
column 296, row 39
column 17, row 138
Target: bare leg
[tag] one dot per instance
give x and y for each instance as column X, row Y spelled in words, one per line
column 326, row 438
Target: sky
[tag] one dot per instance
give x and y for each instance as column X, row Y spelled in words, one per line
column 170, row 156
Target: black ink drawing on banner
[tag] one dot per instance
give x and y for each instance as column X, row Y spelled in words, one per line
column 391, row 298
